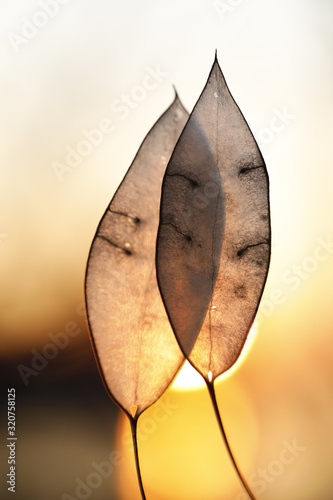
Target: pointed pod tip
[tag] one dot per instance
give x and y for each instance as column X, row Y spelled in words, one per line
column 216, row 61
column 216, row 69
column 176, row 93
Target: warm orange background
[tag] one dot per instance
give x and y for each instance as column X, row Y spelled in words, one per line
column 67, row 78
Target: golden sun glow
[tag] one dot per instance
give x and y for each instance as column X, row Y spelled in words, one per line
column 188, row 378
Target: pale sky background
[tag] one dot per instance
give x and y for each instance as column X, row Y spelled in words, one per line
column 66, row 76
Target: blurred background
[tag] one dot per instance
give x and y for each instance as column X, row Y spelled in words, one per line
column 69, row 68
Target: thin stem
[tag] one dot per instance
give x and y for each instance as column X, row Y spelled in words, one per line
column 211, row 390
column 134, row 423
